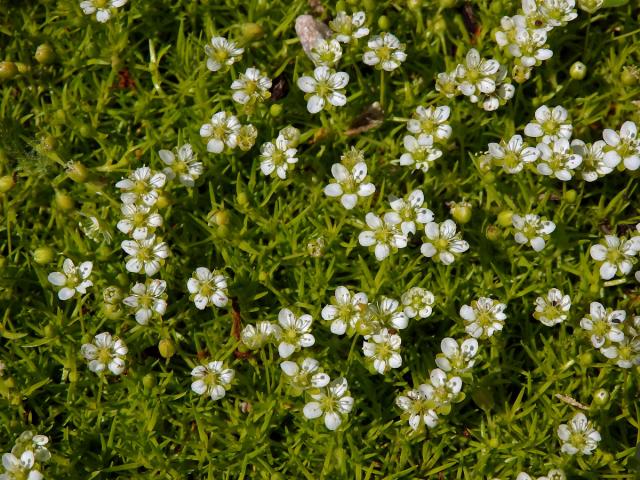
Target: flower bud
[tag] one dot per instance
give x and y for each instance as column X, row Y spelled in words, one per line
column 461, row 212
column 23, row 67
column 112, row 312
column 630, row 76
column 166, row 348
column 8, row 70
column 590, row 6
column 149, row 381
column 49, row 331
column 578, row 70
column 45, row 54
column 383, row 22
column 492, row 233
column 586, row 359
column 252, row 31
column 77, row 172
column 112, row 295
column 43, row 255
column 163, row 201
column 48, row 143
column 6, row 183
column 570, row 195
column 242, row 199
column 504, row 218
column 122, row 280
column 601, row 397
column 219, row 217
column 275, row 110
column 64, row 201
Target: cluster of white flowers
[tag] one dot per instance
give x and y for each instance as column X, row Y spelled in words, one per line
column 617, row 340
column 278, row 156
column 429, row 127
column 27, row 457
column 484, row 81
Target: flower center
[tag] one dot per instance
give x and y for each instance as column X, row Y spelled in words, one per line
column 442, row 243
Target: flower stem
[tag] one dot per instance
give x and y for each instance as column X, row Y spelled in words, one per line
column 382, row 89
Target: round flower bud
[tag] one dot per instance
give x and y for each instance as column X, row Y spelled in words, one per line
column 77, row 172
column 219, row 217
column 112, row 295
column 112, row 312
column 578, row 70
column 73, row 376
column 461, row 212
column 64, row 201
column 45, row 54
column 489, row 178
column 383, row 22
column 414, row 4
column 585, row 359
column 23, row 67
column 103, row 253
column 252, row 31
column 149, row 381
column 570, row 195
column 48, row 143
column 8, row 70
column 6, row 183
column 629, row 76
column 49, row 331
column 85, row 130
column 163, row 201
column 492, row 233
column 166, row 348
column 590, row 6
column 438, row 25
column 122, row 280
column 43, row 255
column 275, row 110
column 504, row 218
column 242, row 199
column 601, row 397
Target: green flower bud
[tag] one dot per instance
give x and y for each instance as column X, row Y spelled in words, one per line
column 45, row 54
column 77, row 172
column 461, row 212
column 242, row 199
column 149, row 381
column 49, row 331
column 630, row 76
column 166, row 348
column 578, row 70
column 601, row 397
column 112, row 312
column 64, row 201
column 252, row 31
column 6, row 183
column 586, row 359
column 23, row 67
column 570, row 195
column 492, row 233
column 383, row 22
column 43, row 255
column 219, row 217
column 122, row 280
column 48, row 143
column 590, row 6
column 504, row 218
column 275, row 110
column 163, row 201
column 8, row 70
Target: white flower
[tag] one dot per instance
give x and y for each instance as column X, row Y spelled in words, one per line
column 257, row 336
column 102, row 8
column 94, row 228
column 251, row 87
column 553, row 308
column 222, row 53
column 384, row 234
column 446, row 84
column 147, row 299
column 74, row 279
column 246, row 137
column 277, row 157
column 295, row 333
column 223, row 130
column 383, row 349
column 550, row 124
column 431, row 121
column 504, row 92
column 185, row 167
column 411, row 212
column 624, row 145
column 443, row 242
column 305, row 374
column 556, row 12
column 528, row 47
column 477, row 75
column 212, row 379
column 604, row 324
column 420, row 407
column 147, row 254
column 532, row 229
column 345, row 310
column 142, row 186
column 578, row 436
column 418, row 302
column 348, row 28
column 384, row 313
column 616, row 254
column 457, row 358
column 34, row 443
column 326, row 52
column 483, row 317
column 419, row 152
column 558, row 159
column 326, row 86
column 385, row 52
column 20, row 468
column 512, row 155
column 105, row 352
column 139, row 220
column 626, row 353
column 595, row 163
column 334, row 402
column 208, row 288
column 350, row 184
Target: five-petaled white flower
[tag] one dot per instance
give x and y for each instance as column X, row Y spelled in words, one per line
column 556, row 13
column 105, row 352
column 431, row 121
column 624, row 145
column 349, row 27
column 185, row 166
column 385, row 234
column 139, row 220
column 419, row 152
column 74, row 279
column 147, row 254
column 532, row 229
column 257, row 336
column 222, row 53
column 305, row 374
column 529, row 47
column 595, row 163
column 385, row 52
column 37, row 444
column 382, row 349
column 552, row 308
column 295, row 333
column 513, row 155
column 418, row 302
column 20, row 468
column 616, row 254
column 443, row 242
column 326, row 52
column 208, row 288
column 549, row 124
column 212, row 379
column 350, row 184
column 558, row 159
column 223, row 130
column 578, row 436
column 604, row 324
column 333, row 401
column 102, row 8
column 477, row 75
column 277, row 157
column 142, row 186
column 483, row 317
column 411, row 212
column 325, row 87
column 345, row 310
column 145, row 299
column 251, row 87
column 420, row 407
column 384, row 313
column 455, row 357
